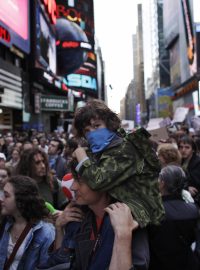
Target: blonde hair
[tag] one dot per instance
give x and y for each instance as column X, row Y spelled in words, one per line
column 169, row 153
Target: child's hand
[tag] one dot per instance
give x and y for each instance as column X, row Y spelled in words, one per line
column 121, row 219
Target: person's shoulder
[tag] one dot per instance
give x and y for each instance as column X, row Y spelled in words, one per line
column 44, row 229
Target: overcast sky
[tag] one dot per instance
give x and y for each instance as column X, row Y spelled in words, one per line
column 115, row 23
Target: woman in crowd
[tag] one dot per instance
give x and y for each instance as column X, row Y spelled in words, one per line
column 170, row 243
column 168, row 154
column 26, row 238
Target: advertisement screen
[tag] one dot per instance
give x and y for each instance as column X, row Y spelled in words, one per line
column 14, row 17
column 45, row 44
column 80, row 12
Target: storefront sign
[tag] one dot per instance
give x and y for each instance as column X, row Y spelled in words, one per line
column 190, row 87
column 54, row 103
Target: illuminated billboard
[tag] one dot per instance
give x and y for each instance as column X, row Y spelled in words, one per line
column 14, row 23
column 80, row 12
column 45, row 43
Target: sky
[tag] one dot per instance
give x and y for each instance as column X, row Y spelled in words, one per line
column 115, row 23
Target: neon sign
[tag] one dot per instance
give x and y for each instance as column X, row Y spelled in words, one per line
column 78, row 80
column 74, row 44
column 4, row 34
column 50, row 6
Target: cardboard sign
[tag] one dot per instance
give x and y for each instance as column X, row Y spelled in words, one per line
column 159, row 134
column 154, row 123
column 180, row 114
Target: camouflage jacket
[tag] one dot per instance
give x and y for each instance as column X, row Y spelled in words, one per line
column 121, row 171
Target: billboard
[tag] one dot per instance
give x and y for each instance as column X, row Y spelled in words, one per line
column 165, row 102
column 81, row 13
column 45, row 43
column 14, row 24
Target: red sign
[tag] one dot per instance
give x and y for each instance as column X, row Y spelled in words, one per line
column 15, row 15
column 50, row 6
column 4, row 34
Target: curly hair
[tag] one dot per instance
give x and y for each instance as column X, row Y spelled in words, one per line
column 169, row 153
column 28, row 201
column 26, row 165
column 95, row 109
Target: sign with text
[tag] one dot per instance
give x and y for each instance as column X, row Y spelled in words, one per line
column 54, row 103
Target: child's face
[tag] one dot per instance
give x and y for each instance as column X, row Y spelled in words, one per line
column 94, row 125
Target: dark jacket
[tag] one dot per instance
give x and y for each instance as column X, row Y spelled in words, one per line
column 60, row 167
column 170, row 243
column 78, row 238
column 193, row 172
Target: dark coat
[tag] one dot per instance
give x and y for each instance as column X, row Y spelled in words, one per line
column 170, row 243
column 193, row 172
column 79, row 237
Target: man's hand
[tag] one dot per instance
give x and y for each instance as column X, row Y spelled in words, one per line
column 79, row 153
column 70, row 213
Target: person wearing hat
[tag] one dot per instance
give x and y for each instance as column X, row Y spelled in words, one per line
column 170, row 243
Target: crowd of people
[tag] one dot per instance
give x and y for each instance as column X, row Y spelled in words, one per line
column 122, row 216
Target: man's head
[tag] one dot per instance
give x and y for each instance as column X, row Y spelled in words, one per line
column 83, row 194
column 4, row 174
column 187, row 147
column 33, row 163
column 55, row 147
column 2, row 160
column 95, row 110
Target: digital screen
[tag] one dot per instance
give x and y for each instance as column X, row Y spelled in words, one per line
column 14, row 16
column 80, row 12
column 45, row 43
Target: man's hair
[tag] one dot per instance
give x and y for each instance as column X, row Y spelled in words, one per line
column 188, row 140
column 95, row 109
column 28, row 201
column 60, row 146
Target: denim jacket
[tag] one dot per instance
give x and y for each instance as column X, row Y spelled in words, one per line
column 37, row 245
